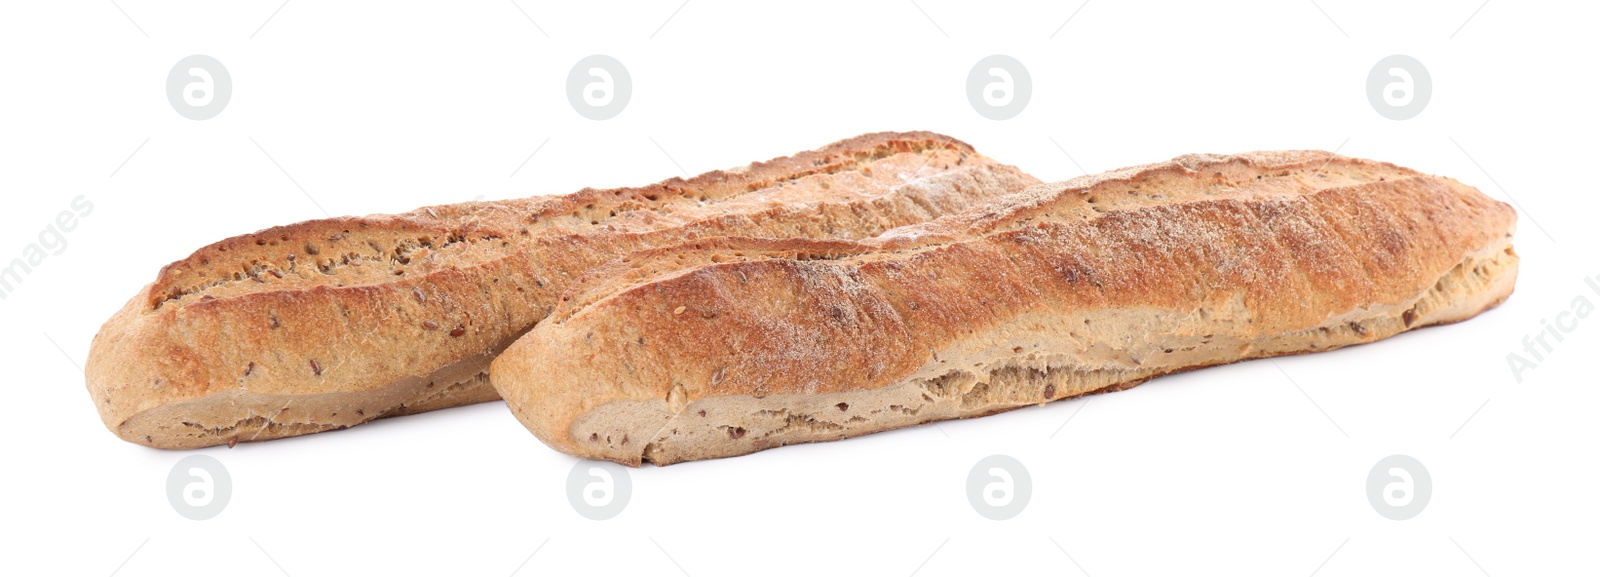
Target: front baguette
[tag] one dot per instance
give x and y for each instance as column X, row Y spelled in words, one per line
column 724, row 347
column 326, row 324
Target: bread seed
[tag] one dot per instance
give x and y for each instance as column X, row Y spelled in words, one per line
column 843, row 406
column 679, row 310
column 430, row 325
column 417, row 292
column 250, row 369
column 1049, row 392
column 316, row 368
column 233, row 441
column 677, row 399
column 276, row 274
column 458, row 331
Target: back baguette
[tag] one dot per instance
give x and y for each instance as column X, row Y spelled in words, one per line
column 329, row 323
column 728, row 346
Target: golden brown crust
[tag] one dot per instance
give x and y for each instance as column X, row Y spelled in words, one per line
column 330, row 323
column 1103, row 281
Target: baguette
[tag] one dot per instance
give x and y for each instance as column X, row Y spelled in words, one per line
column 729, row 346
column 330, row 323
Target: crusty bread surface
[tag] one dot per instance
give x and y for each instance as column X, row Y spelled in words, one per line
column 722, row 347
column 329, row 323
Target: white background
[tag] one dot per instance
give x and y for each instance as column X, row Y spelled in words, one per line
column 385, row 106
